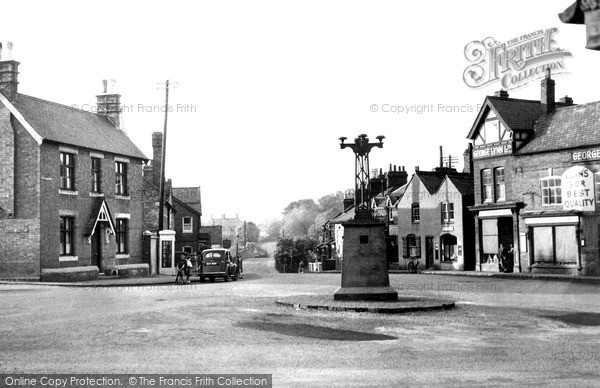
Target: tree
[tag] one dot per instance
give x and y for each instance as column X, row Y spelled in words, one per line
column 289, row 252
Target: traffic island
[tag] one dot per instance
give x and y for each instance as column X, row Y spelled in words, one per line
column 399, row 306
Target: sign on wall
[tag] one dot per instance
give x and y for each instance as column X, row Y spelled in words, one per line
column 578, row 189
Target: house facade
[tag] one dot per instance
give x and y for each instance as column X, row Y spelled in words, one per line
column 434, row 224
column 537, row 183
column 70, row 207
column 187, row 227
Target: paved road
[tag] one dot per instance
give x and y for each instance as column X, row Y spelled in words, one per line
column 503, row 332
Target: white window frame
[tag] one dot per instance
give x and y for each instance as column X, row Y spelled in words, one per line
column 557, row 190
column 191, row 225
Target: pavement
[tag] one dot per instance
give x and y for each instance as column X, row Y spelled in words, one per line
column 115, row 281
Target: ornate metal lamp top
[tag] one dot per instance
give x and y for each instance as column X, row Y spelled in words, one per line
column 361, row 146
column 362, row 195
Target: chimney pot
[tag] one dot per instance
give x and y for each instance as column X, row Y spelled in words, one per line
column 416, row 168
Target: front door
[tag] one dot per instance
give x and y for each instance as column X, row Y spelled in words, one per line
column 97, row 247
column 429, row 252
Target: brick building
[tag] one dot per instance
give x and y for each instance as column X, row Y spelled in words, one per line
column 70, row 204
column 537, row 183
column 210, row 237
column 434, row 222
column 187, row 227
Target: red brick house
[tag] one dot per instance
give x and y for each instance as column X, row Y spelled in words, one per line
column 70, row 198
column 537, row 183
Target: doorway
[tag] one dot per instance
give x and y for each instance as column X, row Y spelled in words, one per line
column 97, row 247
column 428, row 251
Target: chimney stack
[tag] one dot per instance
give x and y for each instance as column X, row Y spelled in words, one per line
column 396, row 177
column 157, row 144
column 109, row 103
column 468, row 158
column 566, row 100
column 348, row 199
column 548, row 103
column 9, row 73
column 501, row 93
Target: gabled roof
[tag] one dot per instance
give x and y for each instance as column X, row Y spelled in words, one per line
column 66, row 125
column 431, row 179
column 343, row 217
column 463, row 182
column 567, row 127
column 516, row 114
column 179, row 203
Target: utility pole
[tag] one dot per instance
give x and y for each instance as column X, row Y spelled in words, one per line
column 161, row 200
column 161, row 195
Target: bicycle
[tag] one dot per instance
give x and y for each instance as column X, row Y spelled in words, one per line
column 415, row 265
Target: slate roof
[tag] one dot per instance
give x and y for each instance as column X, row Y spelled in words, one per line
column 516, row 113
column 463, row 182
column 567, row 127
column 66, row 125
column 345, row 216
column 431, row 179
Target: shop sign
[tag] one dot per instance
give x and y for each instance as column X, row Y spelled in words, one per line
column 492, row 150
column 578, row 189
column 585, row 155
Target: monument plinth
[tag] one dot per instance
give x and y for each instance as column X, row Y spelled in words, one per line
column 364, row 269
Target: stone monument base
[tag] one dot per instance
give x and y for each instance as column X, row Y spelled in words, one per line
column 364, row 270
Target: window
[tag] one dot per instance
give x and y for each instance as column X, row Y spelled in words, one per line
column 96, row 175
column 411, row 246
column 121, row 178
column 486, row 185
column 489, row 240
column 447, row 212
column 555, row 244
column 66, row 236
column 67, row 171
column 597, row 178
column 448, row 244
column 121, row 235
column 551, row 191
column 188, row 224
column 500, row 184
column 415, row 212
column 187, row 250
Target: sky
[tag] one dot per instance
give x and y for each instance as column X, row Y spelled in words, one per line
column 264, row 89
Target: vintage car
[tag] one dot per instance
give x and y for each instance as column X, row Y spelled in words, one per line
column 218, row 263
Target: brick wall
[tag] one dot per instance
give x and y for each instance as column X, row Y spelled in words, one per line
column 7, row 163
column 19, row 248
column 85, row 207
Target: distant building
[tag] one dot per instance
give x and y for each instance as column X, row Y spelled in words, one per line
column 229, row 226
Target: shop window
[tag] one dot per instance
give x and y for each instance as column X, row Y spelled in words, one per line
column 447, row 212
column 448, row 244
column 489, row 236
column 66, row 236
column 415, row 212
column 121, row 237
column 597, row 179
column 411, row 246
column 486, row 185
column 121, row 178
column 96, row 175
column 551, row 191
column 555, row 244
column 67, row 171
column 188, row 224
column 500, row 184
